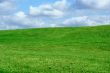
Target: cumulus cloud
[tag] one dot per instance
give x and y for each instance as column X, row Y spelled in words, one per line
column 61, row 5
column 87, row 21
column 6, row 6
column 45, row 10
column 93, row 4
column 55, row 10
column 19, row 20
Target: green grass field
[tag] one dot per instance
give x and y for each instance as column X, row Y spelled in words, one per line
column 55, row 50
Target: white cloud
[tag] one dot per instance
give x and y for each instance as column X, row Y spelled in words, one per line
column 61, row 5
column 45, row 10
column 19, row 20
column 6, row 6
column 87, row 21
column 94, row 4
column 55, row 10
column 20, row 14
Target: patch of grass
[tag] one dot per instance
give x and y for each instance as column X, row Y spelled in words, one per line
column 55, row 50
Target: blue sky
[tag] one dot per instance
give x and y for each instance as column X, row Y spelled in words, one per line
column 15, row 14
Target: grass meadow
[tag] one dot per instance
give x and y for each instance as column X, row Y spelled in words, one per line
column 55, row 50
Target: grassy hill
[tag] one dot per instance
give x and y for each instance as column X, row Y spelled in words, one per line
column 55, row 50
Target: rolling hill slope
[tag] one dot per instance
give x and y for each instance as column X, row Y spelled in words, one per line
column 55, row 50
